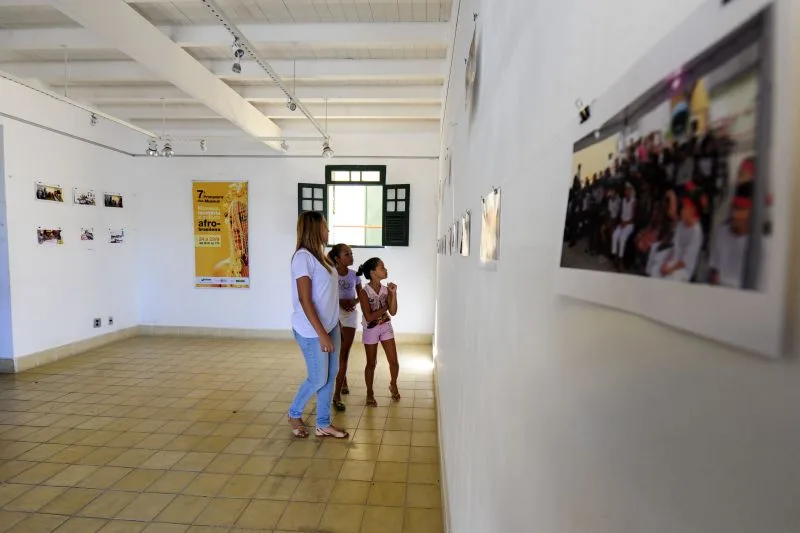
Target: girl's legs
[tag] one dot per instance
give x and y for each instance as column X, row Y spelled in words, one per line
column 348, row 334
column 390, row 348
column 369, row 372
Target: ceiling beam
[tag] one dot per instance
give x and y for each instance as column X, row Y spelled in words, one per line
column 122, row 27
column 281, row 112
column 393, row 33
column 152, row 66
column 265, row 94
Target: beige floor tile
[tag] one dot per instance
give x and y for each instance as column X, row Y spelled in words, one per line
column 386, row 494
column 72, row 475
column 122, row 526
column 10, row 519
column 339, row 518
column 277, row 488
column 423, row 473
column 145, row 507
column 42, row 452
column 242, row 446
column 184, row 443
column 213, row 444
column 324, row 468
column 165, row 528
column 241, row 486
column 368, row 436
column 301, row 516
column 163, row 460
column 291, row 467
column 222, row 512
column 425, row 438
column 394, row 453
column 101, row 456
column 39, row 523
column 423, row 521
column 314, row 490
column 132, row 458
column 357, row 470
column 364, row 452
column 11, row 491
column 424, row 454
column 184, row 509
column 157, row 441
column 332, row 450
column 72, row 454
column 261, row 514
column 226, row 464
column 108, row 504
column 172, row 482
column 81, row 525
column 424, row 496
column 302, row 448
column 207, row 529
column 382, row 520
column 138, row 480
column 273, row 447
column 258, row 465
column 396, row 438
column 39, row 473
column 104, row 477
column 71, row 501
column 10, row 469
column 350, row 492
column 391, row 471
column 207, row 484
column 194, row 461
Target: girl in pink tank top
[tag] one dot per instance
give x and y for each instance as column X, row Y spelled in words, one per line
column 378, row 305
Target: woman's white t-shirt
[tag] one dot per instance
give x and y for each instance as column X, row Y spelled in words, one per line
column 324, row 294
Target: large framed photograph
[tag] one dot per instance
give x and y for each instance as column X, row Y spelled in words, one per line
column 673, row 202
column 49, row 193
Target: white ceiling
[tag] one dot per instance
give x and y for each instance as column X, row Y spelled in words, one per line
column 373, row 61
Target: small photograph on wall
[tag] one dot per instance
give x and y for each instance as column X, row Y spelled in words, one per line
column 675, row 185
column 454, row 239
column 449, row 241
column 465, row 226
column 490, row 227
column 112, row 200
column 87, row 234
column 49, row 193
column 116, row 236
column 83, row 197
column 49, row 236
column 471, row 74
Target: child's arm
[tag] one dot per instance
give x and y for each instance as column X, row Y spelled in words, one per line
column 392, row 299
column 369, row 314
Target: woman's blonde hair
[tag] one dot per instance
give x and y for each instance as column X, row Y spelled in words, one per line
column 309, row 236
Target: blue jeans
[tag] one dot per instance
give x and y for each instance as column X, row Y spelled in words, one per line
column 322, row 369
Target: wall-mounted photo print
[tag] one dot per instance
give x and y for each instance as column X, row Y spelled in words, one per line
column 49, row 193
column 87, row 234
column 465, row 228
column 675, row 186
column 49, row 237
column 490, row 227
column 83, row 196
column 112, row 200
column 116, row 236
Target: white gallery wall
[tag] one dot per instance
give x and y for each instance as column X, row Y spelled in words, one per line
column 57, row 291
column 166, row 263
column 558, row 415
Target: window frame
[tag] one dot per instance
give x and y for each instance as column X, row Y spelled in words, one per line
column 381, row 169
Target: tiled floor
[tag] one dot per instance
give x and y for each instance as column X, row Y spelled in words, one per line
column 173, row 435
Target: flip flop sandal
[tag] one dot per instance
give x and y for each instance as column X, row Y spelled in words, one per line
column 299, row 429
column 395, row 393
column 333, row 432
column 340, row 406
column 345, row 390
column 371, row 402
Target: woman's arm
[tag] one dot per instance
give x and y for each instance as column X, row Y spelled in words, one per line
column 369, row 314
column 392, row 299
column 304, row 295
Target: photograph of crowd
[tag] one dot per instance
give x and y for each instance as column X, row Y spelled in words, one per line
column 49, row 236
column 49, row 193
column 674, row 186
column 83, row 197
column 113, row 200
column 87, row 234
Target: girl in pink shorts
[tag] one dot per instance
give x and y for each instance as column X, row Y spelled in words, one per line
column 378, row 305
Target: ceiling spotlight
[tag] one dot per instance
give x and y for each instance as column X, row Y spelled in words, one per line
column 93, row 120
column 152, row 148
column 237, row 67
column 167, row 151
column 327, row 152
column 284, row 145
column 238, row 51
column 291, row 104
column 584, row 111
column 203, row 146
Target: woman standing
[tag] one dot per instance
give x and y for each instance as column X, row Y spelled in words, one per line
column 315, row 322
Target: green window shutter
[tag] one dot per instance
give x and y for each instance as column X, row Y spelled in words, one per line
column 312, row 197
column 396, row 214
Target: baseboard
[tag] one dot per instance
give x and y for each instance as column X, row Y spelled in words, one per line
column 27, row 362
column 266, row 334
column 442, row 467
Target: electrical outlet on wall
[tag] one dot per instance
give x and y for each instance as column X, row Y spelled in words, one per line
column 111, row 321
column 98, row 322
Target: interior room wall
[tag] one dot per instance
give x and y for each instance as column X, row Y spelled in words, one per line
column 558, row 415
column 169, row 297
column 6, row 334
column 57, row 291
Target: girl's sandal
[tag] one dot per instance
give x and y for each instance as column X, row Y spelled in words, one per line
column 345, row 390
column 298, row 428
column 339, row 405
column 332, row 431
column 395, row 393
column 371, row 401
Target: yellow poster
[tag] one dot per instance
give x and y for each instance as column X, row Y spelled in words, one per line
column 221, row 255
